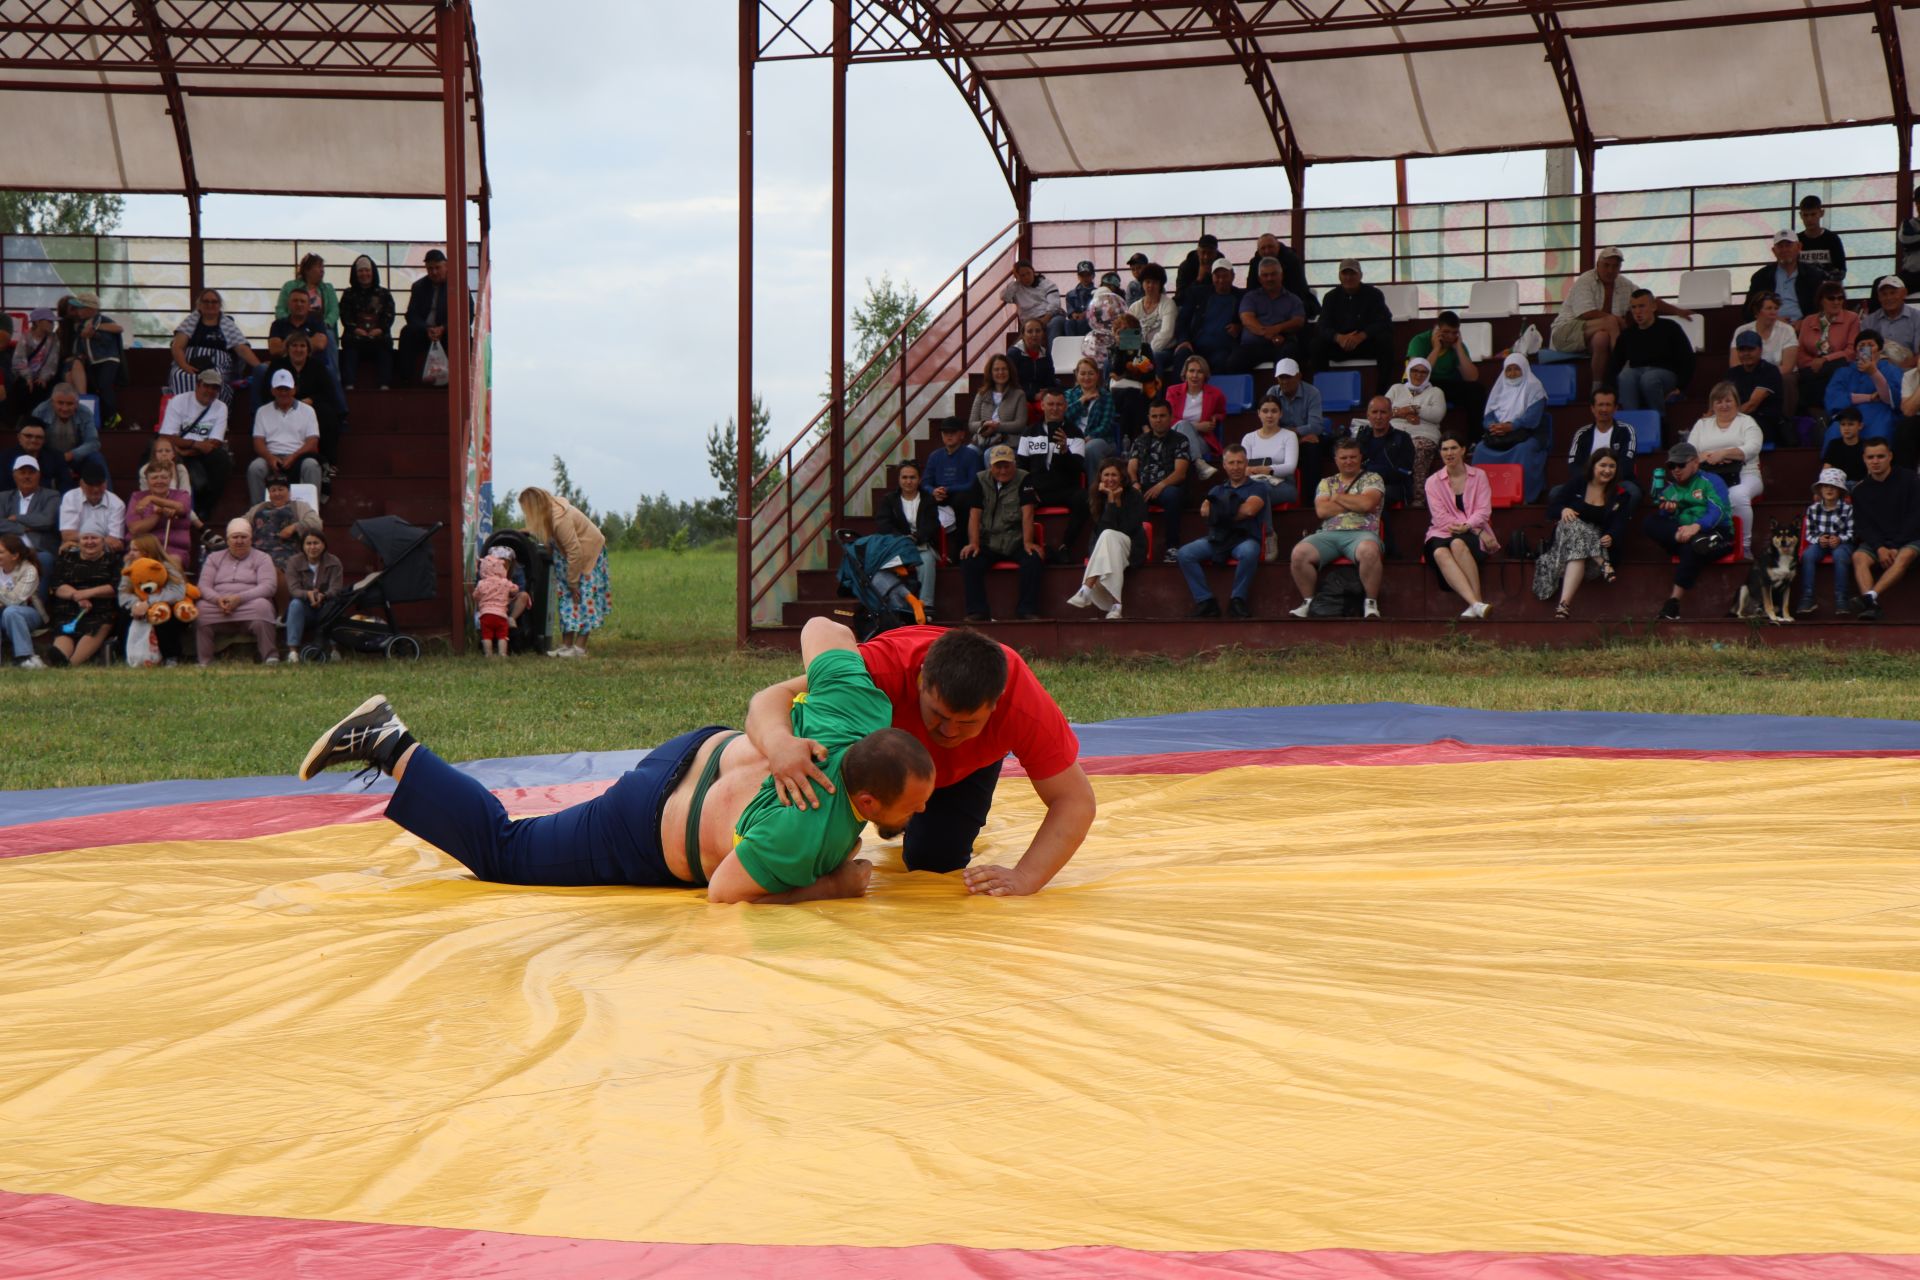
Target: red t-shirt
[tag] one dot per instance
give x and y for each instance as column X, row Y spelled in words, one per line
column 1026, row 721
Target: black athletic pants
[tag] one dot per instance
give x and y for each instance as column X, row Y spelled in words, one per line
column 941, row 837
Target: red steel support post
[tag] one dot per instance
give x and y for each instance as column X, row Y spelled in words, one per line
column 1297, row 230
column 1023, row 210
column 837, row 286
column 453, row 98
column 743, row 307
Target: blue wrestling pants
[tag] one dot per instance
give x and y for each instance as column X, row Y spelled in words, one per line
column 613, row 838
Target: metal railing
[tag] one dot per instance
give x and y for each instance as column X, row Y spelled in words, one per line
column 794, row 499
column 1444, row 248
column 143, row 280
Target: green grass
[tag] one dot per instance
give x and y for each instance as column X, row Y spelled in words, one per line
column 667, row 663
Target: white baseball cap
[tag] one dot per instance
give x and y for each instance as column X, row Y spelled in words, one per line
column 1783, row 236
column 1889, row 282
column 26, row 460
column 1609, row 252
column 1287, row 369
column 283, row 378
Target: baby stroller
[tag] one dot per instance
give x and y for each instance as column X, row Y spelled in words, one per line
column 882, row 573
column 348, row 621
column 533, row 633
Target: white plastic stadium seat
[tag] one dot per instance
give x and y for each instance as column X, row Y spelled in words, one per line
column 1066, row 353
column 1696, row 327
column 307, row 493
column 1478, row 335
column 1491, row 299
column 1402, row 299
column 1704, row 289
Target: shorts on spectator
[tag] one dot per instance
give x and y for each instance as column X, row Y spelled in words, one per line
column 1873, row 552
column 493, row 627
column 1332, row 544
column 1569, row 337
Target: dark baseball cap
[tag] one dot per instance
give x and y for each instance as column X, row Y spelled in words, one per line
column 1747, row 339
column 1138, row 260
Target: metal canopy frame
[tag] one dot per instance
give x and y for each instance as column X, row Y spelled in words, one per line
column 410, row 50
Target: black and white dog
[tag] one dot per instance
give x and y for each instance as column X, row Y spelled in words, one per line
column 1769, row 586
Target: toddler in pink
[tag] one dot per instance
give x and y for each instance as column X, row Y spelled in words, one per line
column 491, row 595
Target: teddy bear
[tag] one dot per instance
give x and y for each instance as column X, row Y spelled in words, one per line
column 166, row 599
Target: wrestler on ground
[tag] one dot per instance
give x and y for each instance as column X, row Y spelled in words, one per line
column 970, row 702
column 706, row 794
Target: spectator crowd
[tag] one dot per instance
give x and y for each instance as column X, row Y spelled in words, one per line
column 69, row 535
column 1104, row 472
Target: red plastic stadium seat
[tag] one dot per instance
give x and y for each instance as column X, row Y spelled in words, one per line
column 1509, row 484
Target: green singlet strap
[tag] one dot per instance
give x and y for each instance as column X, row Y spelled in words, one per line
column 697, row 872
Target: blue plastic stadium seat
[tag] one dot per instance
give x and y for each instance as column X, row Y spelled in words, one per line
column 1646, row 429
column 1561, row 383
column 1547, row 355
column 1339, row 390
column 1237, row 388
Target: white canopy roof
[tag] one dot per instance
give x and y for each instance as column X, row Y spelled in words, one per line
column 1085, row 88
column 321, row 98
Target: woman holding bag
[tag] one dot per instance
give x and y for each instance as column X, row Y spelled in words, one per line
column 1730, row 443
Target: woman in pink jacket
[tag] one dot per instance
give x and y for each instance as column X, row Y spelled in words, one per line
column 1460, row 506
column 1198, row 410
column 236, row 590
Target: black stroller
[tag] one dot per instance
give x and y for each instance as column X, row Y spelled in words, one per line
column 360, row 619
column 533, row 633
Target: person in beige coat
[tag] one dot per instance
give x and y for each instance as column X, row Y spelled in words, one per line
column 580, row 566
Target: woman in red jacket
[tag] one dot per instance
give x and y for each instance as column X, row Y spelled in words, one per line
column 1198, row 410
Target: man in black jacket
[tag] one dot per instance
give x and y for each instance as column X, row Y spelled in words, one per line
column 1387, row 449
column 910, row 514
column 1195, row 275
column 1652, row 358
column 1886, row 526
column 426, row 316
column 1798, row 283
column 1355, row 324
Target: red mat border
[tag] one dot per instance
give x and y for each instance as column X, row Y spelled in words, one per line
column 50, row 1237
column 277, row 815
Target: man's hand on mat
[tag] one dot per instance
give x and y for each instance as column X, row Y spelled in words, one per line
column 999, row 882
column 792, row 764
column 852, row 876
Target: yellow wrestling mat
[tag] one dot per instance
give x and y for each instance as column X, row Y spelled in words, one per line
column 1648, row 1006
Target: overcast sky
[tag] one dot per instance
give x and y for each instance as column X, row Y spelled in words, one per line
column 611, row 144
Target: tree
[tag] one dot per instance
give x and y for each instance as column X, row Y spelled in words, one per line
column 723, row 452
column 57, row 213
column 505, row 512
column 878, row 317
column 563, row 488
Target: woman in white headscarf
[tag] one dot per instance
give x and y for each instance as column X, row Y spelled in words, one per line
column 1516, row 412
column 1418, row 407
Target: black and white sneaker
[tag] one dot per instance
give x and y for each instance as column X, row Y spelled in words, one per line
column 371, row 735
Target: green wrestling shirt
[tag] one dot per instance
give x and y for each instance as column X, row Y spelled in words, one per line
column 784, row 846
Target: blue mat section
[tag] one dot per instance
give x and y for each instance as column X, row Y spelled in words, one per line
column 1404, row 723
column 1241, row 729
